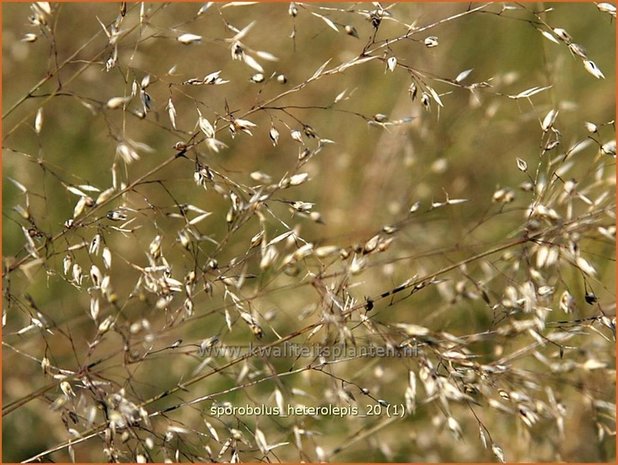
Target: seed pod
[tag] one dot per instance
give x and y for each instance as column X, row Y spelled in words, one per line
column 371, row 244
column 309, row 132
column 30, row 37
column 116, row 215
column 171, row 112
column 145, row 81
column 607, row 8
column 107, row 258
column 454, row 428
column 562, row 34
column 77, row 274
column 431, row 41
column 463, row 75
column 425, row 100
column 94, row 308
column 592, row 68
column 154, row 249
column 298, row 179
column 106, row 324
column 498, row 453
column 268, row 258
column 549, row 120
column 413, row 90
column 274, row 135
column 351, row 31
column 578, row 50
column 117, row 102
column 260, row 177
column 609, row 148
column 188, row 306
column 127, row 153
column 66, row 388
column 38, row 121
column 391, row 64
column 187, row 39
column 522, row 165
column 95, row 244
column 304, row 154
column 95, row 275
column 376, row 19
column 504, row 195
column 591, row 127
column 293, row 10
column 316, row 217
column 205, row 126
column 104, row 196
column 326, row 250
column 296, row 135
column 79, row 207
column 585, row 266
column 551, row 145
column 66, row 264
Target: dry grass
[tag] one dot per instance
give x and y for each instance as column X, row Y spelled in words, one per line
column 188, row 190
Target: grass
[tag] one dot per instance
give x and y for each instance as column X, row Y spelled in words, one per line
column 188, row 187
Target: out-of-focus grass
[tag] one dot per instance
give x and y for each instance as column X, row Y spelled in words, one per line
column 367, row 179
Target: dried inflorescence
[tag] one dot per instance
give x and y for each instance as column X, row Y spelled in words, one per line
column 332, row 222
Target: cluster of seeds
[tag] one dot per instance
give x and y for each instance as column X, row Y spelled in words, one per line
column 325, row 175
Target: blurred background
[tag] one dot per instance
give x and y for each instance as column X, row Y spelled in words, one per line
column 389, row 152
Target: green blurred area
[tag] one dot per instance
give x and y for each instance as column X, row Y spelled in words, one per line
column 369, row 178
